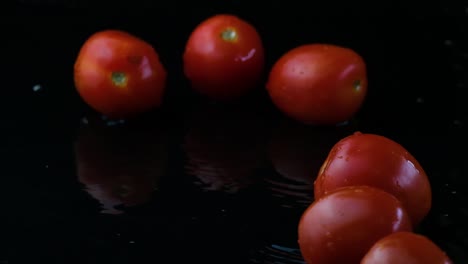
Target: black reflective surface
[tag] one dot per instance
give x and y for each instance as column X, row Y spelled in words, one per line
column 197, row 181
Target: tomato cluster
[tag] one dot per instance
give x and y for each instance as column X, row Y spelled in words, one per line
column 370, row 192
column 121, row 75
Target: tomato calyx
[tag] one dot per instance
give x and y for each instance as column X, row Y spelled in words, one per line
column 357, row 85
column 119, row 79
column 229, row 35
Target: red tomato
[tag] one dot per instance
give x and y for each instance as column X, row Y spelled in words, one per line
column 224, row 57
column 405, row 248
column 342, row 226
column 318, row 83
column 119, row 75
column 374, row 160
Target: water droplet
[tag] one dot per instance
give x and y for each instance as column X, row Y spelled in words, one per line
column 131, row 242
column 46, row 166
column 454, row 192
column 419, row 100
column 448, row 42
column 115, row 122
column 84, row 120
column 37, row 87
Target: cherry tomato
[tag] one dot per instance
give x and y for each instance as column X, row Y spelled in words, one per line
column 342, row 226
column 405, row 248
column 318, row 84
column 224, row 57
column 119, row 75
column 374, row 160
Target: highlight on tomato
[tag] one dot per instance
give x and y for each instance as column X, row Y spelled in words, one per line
column 318, row 84
column 342, row 226
column 224, row 57
column 119, row 75
column 375, row 160
column 406, row 247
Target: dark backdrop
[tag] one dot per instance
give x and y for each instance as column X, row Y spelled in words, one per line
column 417, row 58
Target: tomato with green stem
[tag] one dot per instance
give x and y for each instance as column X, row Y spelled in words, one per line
column 320, row 84
column 224, row 57
column 119, row 75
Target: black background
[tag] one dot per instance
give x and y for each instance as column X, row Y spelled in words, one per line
column 417, row 59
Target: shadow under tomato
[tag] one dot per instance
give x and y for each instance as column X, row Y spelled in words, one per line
column 120, row 164
column 224, row 145
column 297, row 152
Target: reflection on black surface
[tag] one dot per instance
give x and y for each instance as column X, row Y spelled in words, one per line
column 297, row 152
column 276, row 254
column 224, row 146
column 120, row 164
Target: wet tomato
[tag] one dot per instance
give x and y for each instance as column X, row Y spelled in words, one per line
column 342, row 226
column 375, row 160
column 318, row 84
column 119, row 75
column 405, row 248
column 224, row 57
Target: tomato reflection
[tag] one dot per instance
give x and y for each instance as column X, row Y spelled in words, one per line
column 120, row 165
column 224, row 146
column 297, row 152
column 277, row 254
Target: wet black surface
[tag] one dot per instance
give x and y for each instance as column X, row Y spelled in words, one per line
column 202, row 182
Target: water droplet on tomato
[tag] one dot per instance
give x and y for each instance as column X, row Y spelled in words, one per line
column 246, row 57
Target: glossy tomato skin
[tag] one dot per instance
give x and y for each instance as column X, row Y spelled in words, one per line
column 224, row 57
column 342, row 226
column 405, row 248
column 320, row 84
column 119, row 75
column 375, row 160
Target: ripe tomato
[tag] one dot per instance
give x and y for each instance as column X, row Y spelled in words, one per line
column 223, row 57
column 405, row 248
column 342, row 226
column 374, row 160
column 318, row 84
column 119, row 75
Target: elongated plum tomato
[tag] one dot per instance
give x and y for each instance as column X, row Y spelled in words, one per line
column 318, row 84
column 119, row 75
column 224, row 57
column 374, row 160
column 405, row 248
column 342, row 226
